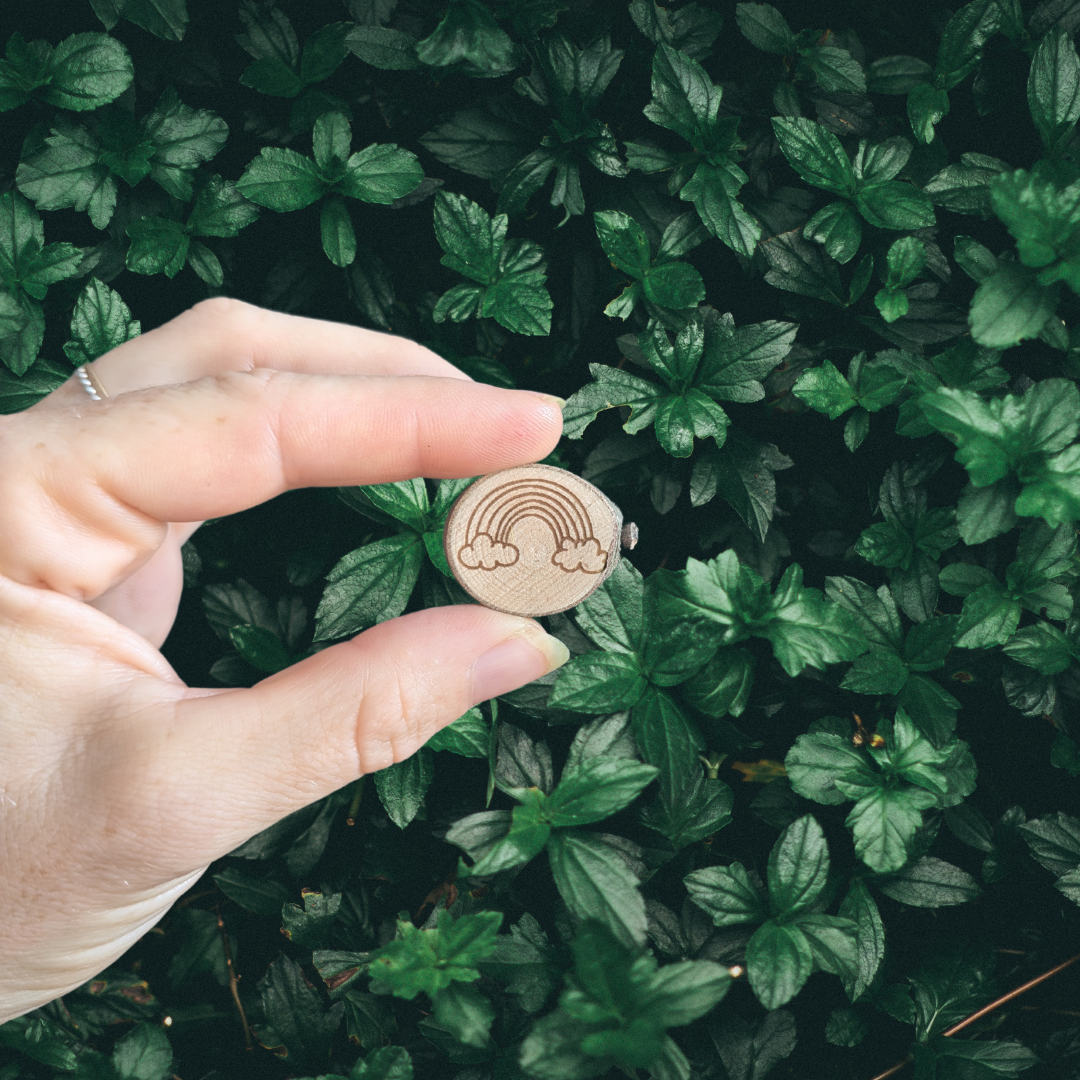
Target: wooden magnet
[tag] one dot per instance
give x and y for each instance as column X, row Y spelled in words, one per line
column 534, row 540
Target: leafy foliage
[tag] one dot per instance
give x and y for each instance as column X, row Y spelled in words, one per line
column 804, row 797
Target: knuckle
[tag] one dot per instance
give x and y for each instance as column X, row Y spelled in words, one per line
column 222, row 309
column 390, row 724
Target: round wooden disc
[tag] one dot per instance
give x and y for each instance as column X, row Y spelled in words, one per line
column 532, row 540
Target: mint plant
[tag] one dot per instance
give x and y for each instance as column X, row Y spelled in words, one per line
column 803, row 801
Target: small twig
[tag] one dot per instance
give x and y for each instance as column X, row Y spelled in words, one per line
column 192, row 897
column 354, row 806
column 1010, row 995
column 987, row 1009
column 233, row 980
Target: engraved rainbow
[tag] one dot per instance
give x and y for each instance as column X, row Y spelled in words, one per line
column 488, row 531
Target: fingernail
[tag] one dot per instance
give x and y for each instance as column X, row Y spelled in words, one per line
column 560, row 403
column 516, row 661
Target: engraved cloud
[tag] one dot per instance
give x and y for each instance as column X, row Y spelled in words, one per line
column 486, row 553
column 581, row 554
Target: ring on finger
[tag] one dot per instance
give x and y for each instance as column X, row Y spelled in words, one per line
column 90, row 383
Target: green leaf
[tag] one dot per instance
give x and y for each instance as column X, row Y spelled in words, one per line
column 624, row 242
column 697, row 810
column 461, row 1015
column 807, row 630
column 402, row 786
column 383, row 47
column 612, row 615
column 1000, row 1057
column 526, row 838
column 837, row 226
column 932, row 707
column 158, row 246
column 989, row 618
column 295, row 1014
column 816, row 762
column 897, row 74
column 713, row 192
column 1010, row 306
column 220, row 210
column 262, row 896
column 927, row 106
column 684, row 98
column 743, row 472
column 880, row 671
column 836, row 70
column 369, row 586
column 597, row 789
column 778, row 961
column 825, row 390
column 668, row 739
column 101, row 321
column 964, row 187
column 143, row 1054
column 595, row 883
column 859, row 906
column 816, row 154
column 166, row 19
column 323, row 52
column 611, row 389
column 762, row 25
column 875, row 612
column 40, row 1040
column 599, row 682
column 182, row 139
column 985, row 512
column 930, row 883
column 65, row 171
column 468, row 35
column 336, row 228
column 87, row 71
column 270, row 75
column 468, row 736
column 798, row 266
column 895, row 205
column 1053, row 88
column 727, row 894
column 281, row 179
column 380, row 173
column 260, row 648
column 385, row 1063
column 884, row 822
column 427, row 961
column 964, row 36
column 798, row 867
column 476, row 246
column 311, row 925
column 1042, row 647
column 723, row 686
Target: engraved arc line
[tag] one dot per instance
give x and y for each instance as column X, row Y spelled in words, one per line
column 554, row 522
column 501, row 500
column 497, row 502
column 497, row 511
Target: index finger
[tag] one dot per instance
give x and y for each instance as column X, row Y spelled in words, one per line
column 222, row 334
column 112, row 471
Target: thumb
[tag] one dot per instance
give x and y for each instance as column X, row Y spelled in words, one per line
column 242, row 759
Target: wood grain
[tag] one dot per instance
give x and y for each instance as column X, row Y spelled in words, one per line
column 532, row 540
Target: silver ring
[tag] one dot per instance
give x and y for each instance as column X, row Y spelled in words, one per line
column 90, row 384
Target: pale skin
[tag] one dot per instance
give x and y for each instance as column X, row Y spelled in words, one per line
column 119, row 784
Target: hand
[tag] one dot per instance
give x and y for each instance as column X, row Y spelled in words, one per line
column 118, row 783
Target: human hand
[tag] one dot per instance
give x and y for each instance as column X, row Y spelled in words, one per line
column 118, row 784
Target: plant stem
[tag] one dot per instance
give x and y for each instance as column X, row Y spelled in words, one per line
column 986, row 1009
column 354, row 806
column 233, row 981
